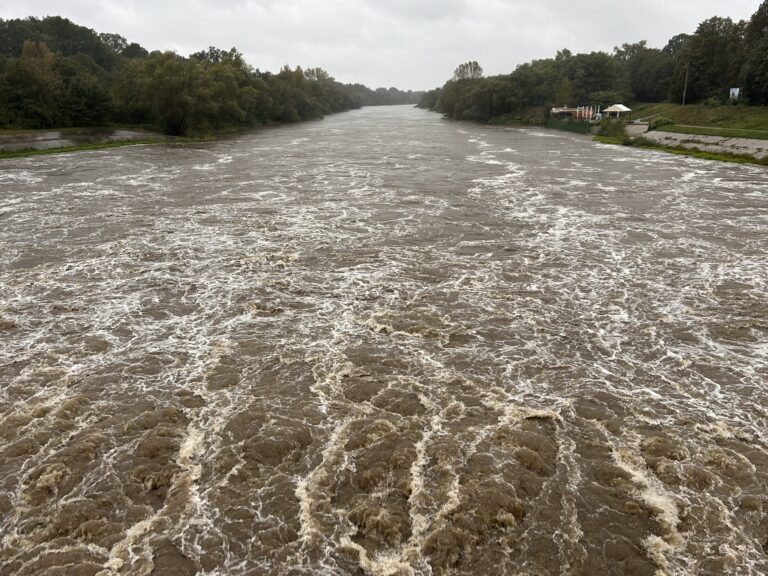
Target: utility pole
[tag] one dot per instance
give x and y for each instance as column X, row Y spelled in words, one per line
column 685, row 87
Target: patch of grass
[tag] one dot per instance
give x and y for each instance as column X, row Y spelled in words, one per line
column 104, row 145
column 609, row 139
column 736, row 117
column 711, row 131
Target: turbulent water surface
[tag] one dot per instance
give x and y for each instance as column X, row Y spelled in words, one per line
column 388, row 344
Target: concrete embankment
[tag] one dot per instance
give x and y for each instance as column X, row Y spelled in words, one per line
column 758, row 149
column 50, row 139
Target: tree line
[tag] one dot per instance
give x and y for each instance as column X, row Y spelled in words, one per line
column 54, row 73
column 721, row 54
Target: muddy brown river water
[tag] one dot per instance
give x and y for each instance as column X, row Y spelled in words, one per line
column 387, row 344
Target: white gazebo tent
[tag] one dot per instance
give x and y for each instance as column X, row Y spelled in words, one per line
column 617, row 109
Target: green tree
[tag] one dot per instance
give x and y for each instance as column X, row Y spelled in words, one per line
column 651, row 74
column 754, row 73
column 128, row 99
column 31, row 89
column 219, row 96
column 676, row 45
column 468, row 71
column 430, row 99
column 595, row 72
column 712, row 59
column 256, row 101
column 114, row 42
column 647, row 71
column 86, row 100
column 56, row 73
column 133, row 51
column 606, row 98
column 170, row 90
column 564, row 94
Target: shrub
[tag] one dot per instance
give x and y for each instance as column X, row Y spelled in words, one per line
column 657, row 123
column 612, row 129
column 612, row 132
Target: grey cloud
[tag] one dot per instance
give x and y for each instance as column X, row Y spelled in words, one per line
column 426, row 10
column 406, row 43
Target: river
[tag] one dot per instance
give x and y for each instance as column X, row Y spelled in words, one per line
column 383, row 343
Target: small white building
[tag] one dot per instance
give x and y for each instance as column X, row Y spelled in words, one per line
column 616, row 110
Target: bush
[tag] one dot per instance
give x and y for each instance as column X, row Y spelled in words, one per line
column 612, row 132
column 657, row 123
column 612, row 129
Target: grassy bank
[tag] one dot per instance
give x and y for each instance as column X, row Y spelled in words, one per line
column 719, row 132
column 610, row 139
column 148, row 135
column 142, row 136
column 700, row 120
column 731, row 117
column 645, row 144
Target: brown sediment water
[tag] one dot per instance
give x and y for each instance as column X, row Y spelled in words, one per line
column 383, row 344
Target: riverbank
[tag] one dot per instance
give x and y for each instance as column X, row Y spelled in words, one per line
column 708, row 147
column 21, row 143
column 730, row 117
column 756, row 149
column 725, row 133
column 17, row 143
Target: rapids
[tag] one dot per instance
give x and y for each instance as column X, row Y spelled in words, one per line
column 383, row 343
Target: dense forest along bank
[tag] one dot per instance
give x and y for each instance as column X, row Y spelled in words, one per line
column 55, row 74
column 383, row 343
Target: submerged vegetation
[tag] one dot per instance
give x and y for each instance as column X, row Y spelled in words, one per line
column 721, row 54
column 54, row 73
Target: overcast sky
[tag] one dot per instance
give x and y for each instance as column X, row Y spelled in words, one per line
column 410, row 44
